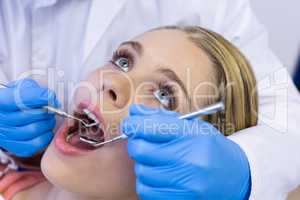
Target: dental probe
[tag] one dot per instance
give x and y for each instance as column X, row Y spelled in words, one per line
column 67, row 115
column 63, row 113
column 201, row 112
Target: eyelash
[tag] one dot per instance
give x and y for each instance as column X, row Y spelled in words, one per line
column 162, row 85
column 122, row 53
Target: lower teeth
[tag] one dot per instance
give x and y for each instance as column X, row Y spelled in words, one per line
column 69, row 137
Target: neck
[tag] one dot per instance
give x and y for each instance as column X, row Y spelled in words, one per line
column 51, row 192
column 56, row 193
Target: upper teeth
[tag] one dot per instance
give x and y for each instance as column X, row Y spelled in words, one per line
column 91, row 115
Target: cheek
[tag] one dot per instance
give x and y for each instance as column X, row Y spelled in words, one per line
column 144, row 95
column 148, row 102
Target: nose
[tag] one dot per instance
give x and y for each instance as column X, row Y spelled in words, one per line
column 116, row 89
column 108, row 88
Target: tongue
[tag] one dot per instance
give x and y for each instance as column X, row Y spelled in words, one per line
column 94, row 133
column 76, row 142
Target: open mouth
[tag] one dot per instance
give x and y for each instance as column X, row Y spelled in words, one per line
column 78, row 130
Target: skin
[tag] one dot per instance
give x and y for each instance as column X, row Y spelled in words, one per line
column 108, row 172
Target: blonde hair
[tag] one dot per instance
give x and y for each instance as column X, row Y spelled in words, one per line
column 237, row 83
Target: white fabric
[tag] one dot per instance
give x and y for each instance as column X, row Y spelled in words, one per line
column 75, row 36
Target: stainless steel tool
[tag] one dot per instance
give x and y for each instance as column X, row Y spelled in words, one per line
column 203, row 111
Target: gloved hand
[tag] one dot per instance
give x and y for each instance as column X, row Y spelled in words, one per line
column 183, row 159
column 25, row 128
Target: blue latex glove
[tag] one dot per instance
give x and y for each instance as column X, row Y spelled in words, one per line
column 25, row 128
column 183, row 159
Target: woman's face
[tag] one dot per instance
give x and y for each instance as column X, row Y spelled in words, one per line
column 161, row 60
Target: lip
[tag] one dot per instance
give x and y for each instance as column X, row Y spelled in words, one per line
column 60, row 137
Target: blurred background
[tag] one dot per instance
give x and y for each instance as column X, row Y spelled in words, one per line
column 282, row 19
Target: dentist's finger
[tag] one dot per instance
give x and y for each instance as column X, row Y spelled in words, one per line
column 27, row 148
column 146, row 192
column 153, row 175
column 27, row 132
column 26, row 94
column 148, row 153
column 21, row 118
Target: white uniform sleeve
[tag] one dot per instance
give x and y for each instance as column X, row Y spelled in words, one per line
column 273, row 146
column 15, row 39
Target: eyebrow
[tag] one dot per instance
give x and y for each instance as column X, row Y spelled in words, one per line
column 170, row 74
column 138, row 47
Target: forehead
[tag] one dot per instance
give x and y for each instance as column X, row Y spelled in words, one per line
column 173, row 49
column 167, row 45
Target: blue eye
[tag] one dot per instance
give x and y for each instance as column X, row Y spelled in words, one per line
column 123, row 59
column 163, row 97
column 123, row 63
